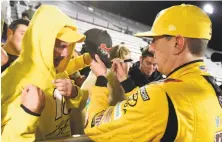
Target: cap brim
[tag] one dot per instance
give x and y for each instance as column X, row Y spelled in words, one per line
column 72, row 37
column 147, row 34
column 69, row 35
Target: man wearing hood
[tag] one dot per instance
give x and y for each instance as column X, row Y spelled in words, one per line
column 44, row 62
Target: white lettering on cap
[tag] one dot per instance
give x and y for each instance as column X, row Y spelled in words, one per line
column 172, row 28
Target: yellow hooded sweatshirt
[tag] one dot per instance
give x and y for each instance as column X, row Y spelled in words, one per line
column 35, row 66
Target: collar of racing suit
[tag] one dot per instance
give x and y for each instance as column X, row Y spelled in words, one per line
column 187, row 67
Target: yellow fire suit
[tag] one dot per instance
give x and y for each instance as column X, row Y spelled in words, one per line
column 185, row 107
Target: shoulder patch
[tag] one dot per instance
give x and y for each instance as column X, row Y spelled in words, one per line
column 203, row 68
column 144, row 94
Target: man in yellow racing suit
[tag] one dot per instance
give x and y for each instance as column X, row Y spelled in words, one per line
column 184, row 107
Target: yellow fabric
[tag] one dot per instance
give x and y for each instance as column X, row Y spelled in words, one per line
column 78, row 63
column 69, row 34
column 116, row 92
column 14, row 130
column 35, row 66
column 140, row 119
column 185, row 20
column 87, row 58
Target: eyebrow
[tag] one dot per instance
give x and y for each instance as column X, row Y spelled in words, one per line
column 64, row 43
column 151, row 62
column 61, row 44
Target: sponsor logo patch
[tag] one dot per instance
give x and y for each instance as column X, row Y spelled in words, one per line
column 130, row 102
column 86, row 118
column 87, row 102
column 217, row 121
column 203, row 68
column 117, row 111
column 144, row 94
column 97, row 119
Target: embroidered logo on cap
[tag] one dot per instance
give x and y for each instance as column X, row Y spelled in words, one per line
column 104, row 49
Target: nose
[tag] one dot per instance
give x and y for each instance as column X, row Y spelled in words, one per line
column 154, row 67
column 65, row 52
column 151, row 67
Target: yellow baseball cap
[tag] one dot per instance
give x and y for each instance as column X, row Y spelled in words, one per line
column 70, row 34
column 186, row 20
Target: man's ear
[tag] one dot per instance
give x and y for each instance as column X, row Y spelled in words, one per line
column 141, row 59
column 9, row 32
column 179, row 45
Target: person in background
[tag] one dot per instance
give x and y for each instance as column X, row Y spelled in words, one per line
column 12, row 46
column 25, row 16
column 145, row 70
column 4, row 57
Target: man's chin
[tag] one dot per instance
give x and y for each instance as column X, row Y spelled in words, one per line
column 56, row 63
column 148, row 73
column 59, row 69
column 61, row 65
column 56, row 66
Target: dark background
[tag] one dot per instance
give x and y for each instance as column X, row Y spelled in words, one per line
column 146, row 11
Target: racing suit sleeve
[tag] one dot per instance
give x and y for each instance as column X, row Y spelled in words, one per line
column 21, row 127
column 142, row 117
column 81, row 97
column 78, row 63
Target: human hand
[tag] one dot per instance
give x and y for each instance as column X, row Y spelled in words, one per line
column 98, row 67
column 65, row 87
column 120, row 68
column 33, row 99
